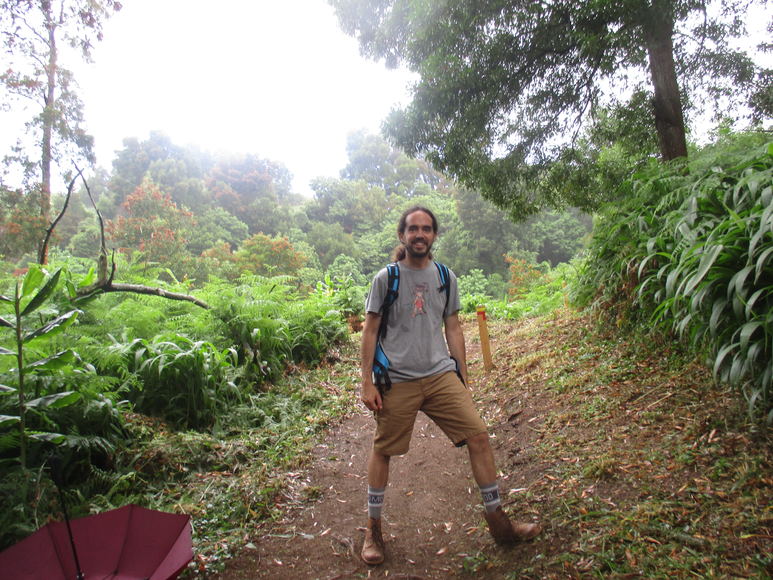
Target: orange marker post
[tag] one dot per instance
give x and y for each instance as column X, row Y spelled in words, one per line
column 485, row 347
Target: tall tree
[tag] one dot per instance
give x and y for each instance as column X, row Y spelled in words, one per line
column 354, row 204
column 374, row 160
column 507, row 85
column 31, row 33
column 269, row 256
column 154, row 225
column 178, row 170
column 257, row 191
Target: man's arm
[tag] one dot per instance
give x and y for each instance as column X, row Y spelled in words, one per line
column 455, row 340
column 369, row 393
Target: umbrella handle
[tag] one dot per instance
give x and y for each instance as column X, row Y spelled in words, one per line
column 55, row 463
column 79, row 575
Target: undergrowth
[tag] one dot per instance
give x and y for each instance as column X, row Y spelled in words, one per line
column 689, row 249
column 639, row 463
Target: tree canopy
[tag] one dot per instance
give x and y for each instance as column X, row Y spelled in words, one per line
column 31, row 33
column 507, row 87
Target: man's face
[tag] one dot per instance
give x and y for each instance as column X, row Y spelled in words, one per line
column 419, row 235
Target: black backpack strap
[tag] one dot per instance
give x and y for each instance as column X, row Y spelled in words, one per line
column 380, row 360
column 445, row 281
column 393, row 286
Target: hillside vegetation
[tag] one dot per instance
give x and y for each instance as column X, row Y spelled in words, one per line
column 206, row 410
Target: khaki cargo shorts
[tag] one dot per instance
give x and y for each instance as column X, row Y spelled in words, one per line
column 443, row 398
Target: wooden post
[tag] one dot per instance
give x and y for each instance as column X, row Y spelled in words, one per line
column 485, row 346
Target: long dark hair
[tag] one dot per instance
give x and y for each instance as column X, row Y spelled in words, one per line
column 400, row 252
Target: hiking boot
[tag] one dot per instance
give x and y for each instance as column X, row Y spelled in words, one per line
column 373, row 547
column 505, row 532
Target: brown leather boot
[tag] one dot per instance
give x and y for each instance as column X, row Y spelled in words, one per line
column 507, row 533
column 373, row 547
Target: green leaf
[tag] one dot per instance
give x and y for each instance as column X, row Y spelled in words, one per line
column 55, row 401
column 707, row 260
column 32, row 280
column 762, row 260
column 747, row 330
column 6, row 420
column 753, row 300
column 737, row 369
column 88, row 279
column 56, row 325
column 720, row 358
column 4, row 322
column 56, row 438
column 671, row 280
column 72, row 292
column 644, row 262
column 683, row 324
column 43, row 294
column 766, row 197
column 53, row 363
column 737, row 282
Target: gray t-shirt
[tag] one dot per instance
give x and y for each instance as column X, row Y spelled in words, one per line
column 415, row 341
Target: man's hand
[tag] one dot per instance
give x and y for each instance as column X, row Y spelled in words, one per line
column 370, row 396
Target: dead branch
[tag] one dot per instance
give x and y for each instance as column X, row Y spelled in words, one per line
column 102, row 260
column 140, row 289
column 43, row 251
column 105, row 284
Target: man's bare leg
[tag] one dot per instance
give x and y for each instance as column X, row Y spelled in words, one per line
column 378, row 476
column 485, row 474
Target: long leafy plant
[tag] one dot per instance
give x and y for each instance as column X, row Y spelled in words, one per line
column 691, row 251
column 32, row 321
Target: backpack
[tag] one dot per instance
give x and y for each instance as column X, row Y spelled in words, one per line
column 380, row 360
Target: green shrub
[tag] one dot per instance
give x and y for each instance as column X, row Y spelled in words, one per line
column 691, row 251
column 543, row 296
column 185, row 382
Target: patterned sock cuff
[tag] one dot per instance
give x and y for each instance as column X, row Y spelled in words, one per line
column 490, row 495
column 375, row 501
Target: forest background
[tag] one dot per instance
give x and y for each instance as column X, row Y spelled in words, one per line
column 167, row 317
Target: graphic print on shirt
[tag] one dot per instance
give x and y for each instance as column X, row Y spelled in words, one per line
column 419, row 292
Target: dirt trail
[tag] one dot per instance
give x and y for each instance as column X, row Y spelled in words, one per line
column 631, row 459
column 433, row 519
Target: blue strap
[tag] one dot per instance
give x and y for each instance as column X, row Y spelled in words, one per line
column 393, row 284
column 445, row 278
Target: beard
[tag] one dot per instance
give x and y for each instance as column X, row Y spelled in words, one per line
column 414, row 253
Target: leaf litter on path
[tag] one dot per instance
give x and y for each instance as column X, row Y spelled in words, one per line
column 633, row 460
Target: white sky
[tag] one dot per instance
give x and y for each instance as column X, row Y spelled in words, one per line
column 276, row 78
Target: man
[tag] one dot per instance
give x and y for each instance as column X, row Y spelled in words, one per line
column 425, row 373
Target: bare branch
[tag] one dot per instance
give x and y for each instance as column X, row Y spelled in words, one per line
column 109, row 286
column 139, row 289
column 105, row 284
column 96, row 209
column 43, row 252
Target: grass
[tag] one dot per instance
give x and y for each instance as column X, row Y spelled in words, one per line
column 235, row 479
column 637, row 462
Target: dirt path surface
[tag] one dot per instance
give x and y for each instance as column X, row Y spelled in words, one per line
column 433, row 518
column 634, row 461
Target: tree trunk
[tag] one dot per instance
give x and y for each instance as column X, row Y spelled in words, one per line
column 49, row 113
column 669, row 120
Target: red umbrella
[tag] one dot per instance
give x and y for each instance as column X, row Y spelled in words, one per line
column 128, row 543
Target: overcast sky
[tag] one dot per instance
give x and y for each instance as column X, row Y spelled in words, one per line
column 278, row 79
column 274, row 78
